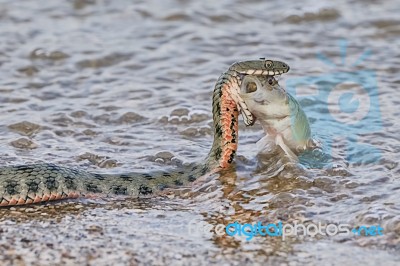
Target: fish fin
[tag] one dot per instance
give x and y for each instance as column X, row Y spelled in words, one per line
column 266, row 144
column 281, row 143
column 247, row 115
column 242, row 107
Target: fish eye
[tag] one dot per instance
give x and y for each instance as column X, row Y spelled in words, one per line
column 251, row 87
column 269, row 63
column 272, row 81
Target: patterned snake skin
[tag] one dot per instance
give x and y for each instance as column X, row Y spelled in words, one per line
column 26, row 184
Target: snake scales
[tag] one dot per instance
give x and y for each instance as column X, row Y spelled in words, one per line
column 26, row 184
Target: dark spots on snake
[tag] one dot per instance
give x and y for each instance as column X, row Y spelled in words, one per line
column 93, row 188
column 51, row 183
column 231, row 157
column 165, row 174
column 11, row 187
column 218, row 108
column 24, row 168
column 145, row 190
column 69, row 182
column 193, row 170
column 181, row 172
column 220, row 92
column 147, row 176
column 204, row 170
column 232, row 127
column 126, row 177
column 33, row 186
column 99, row 176
column 218, row 152
column 233, row 121
column 191, row 178
column 218, row 130
column 178, row 183
column 119, row 190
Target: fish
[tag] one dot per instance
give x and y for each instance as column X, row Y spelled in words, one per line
column 281, row 116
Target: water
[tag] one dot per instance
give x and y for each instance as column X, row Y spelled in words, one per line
column 113, row 87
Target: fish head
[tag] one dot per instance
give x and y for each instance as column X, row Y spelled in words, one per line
column 264, row 97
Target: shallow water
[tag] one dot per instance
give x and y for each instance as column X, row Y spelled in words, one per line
column 114, row 87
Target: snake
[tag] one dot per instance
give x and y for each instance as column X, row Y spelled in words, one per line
column 42, row 182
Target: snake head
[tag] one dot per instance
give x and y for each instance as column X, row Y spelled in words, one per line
column 262, row 66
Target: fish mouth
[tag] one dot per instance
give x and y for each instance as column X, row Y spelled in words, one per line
column 262, row 102
column 255, row 90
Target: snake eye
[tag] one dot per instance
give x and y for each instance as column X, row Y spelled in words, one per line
column 284, row 65
column 251, row 87
column 269, row 63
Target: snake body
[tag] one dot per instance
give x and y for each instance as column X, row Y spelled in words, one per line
column 34, row 183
